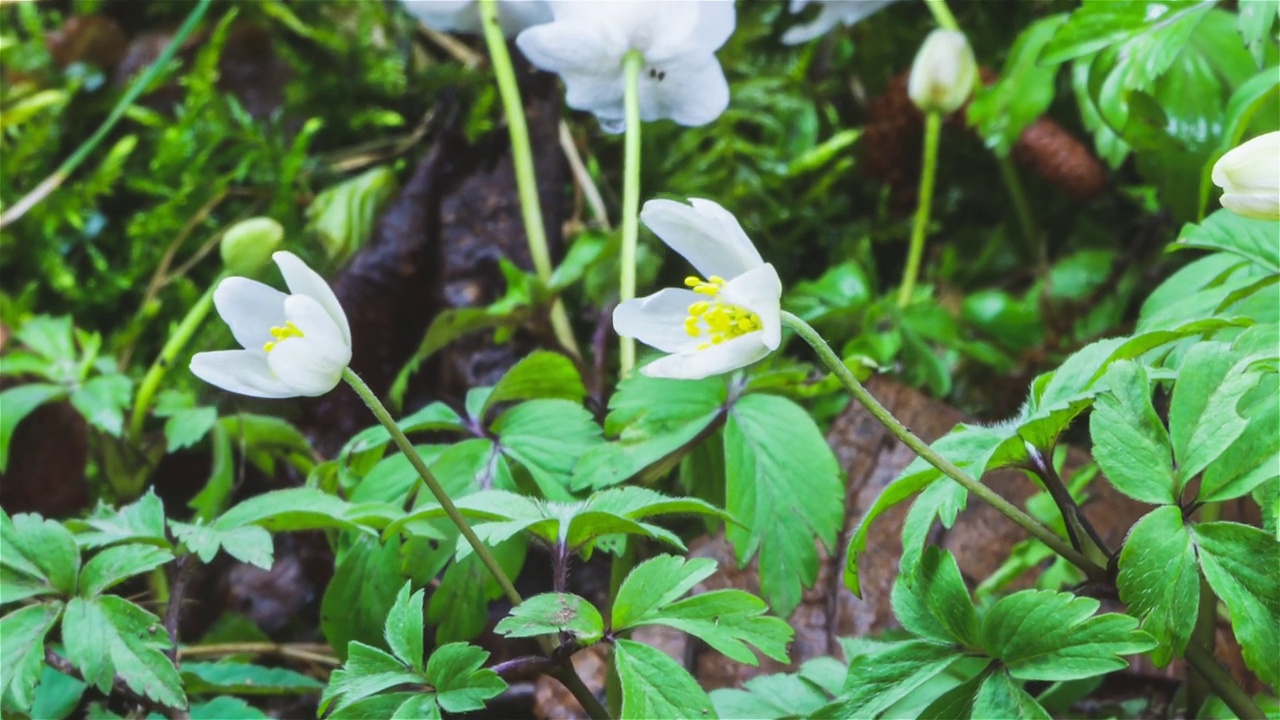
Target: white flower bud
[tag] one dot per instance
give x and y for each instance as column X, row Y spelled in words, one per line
column 1249, row 176
column 247, row 245
column 943, row 73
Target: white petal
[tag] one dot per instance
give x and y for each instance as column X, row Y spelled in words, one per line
column 832, row 13
column 1258, row 207
column 692, row 92
column 705, row 234
column 312, row 364
column 463, row 16
column 716, row 21
column 715, row 360
column 302, row 280
column 250, row 309
column 760, row 291
column 574, row 46
column 239, row 371
column 1252, row 166
column 658, row 320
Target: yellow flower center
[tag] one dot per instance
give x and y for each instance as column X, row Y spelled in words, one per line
column 282, row 333
column 713, row 319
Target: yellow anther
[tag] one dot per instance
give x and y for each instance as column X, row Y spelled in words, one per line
column 282, row 333
column 713, row 319
column 716, row 280
column 698, row 308
column 691, row 327
column 693, row 281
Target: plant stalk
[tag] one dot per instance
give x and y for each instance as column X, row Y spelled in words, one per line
column 632, row 63
column 522, row 157
column 928, row 173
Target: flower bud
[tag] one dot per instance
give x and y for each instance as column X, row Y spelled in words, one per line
column 1249, row 176
column 247, row 245
column 943, row 73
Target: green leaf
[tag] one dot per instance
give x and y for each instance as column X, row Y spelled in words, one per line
column 102, row 401
column 367, row 671
column 1001, row 697
column 541, row 375
column 1130, row 443
column 774, row 696
column 1253, row 240
column 783, row 485
column 303, row 509
column 1001, row 111
column 727, row 620
column 551, row 613
column 18, row 402
column 1256, row 18
column 1049, row 635
column 49, row 336
column 1154, row 31
column 462, row 683
column 361, row 593
column 140, row 521
column 934, row 602
column 404, row 630
column 1203, row 421
column 241, row 678
column 37, row 557
column 1238, row 562
column 547, row 437
column 459, row 607
column 21, row 662
column 653, row 584
column 116, row 564
column 652, row 419
column 956, row 702
column 655, row 686
column 57, row 696
column 1159, row 582
column 879, row 679
column 187, row 427
column 225, row 708
column 248, row 544
column 1254, row 457
column 108, row 635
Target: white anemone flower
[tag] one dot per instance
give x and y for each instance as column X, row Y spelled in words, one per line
column 681, row 79
column 728, row 317
column 295, row 344
column 832, row 13
column 1249, row 176
column 463, row 16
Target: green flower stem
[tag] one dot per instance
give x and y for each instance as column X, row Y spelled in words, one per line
column 168, row 356
column 942, row 14
column 918, row 446
column 932, row 131
column 141, row 83
column 632, row 64
column 1207, row 667
column 522, row 157
column 566, row 674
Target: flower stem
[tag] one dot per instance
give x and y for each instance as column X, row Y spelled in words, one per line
column 942, row 14
column 900, row 431
column 932, row 131
column 632, row 63
column 1034, row 247
column 566, row 674
column 402, row 442
column 141, row 83
column 167, row 357
column 522, row 157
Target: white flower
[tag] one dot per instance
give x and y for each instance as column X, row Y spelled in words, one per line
column 1249, row 176
column 831, row 13
column 728, row 318
column 681, row 79
column 294, row 345
column 463, row 16
column 943, row 73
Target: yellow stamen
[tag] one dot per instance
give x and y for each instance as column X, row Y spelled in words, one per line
column 714, row 319
column 282, row 333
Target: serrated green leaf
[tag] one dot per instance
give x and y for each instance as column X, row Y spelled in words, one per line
column 1253, row 240
column 102, row 401
column 879, row 679
column 108, row 635
column 772, row 696
column 57, row 696
column 547, row 437
column 225, row 708
column 360, row 595
column 116, row 564
column 49, row 336
column 248, row 543
column 653, row 584
column 655, row 686
column 1239, row 563
column 304, row 509
column 941, row 502
column 651, row 419
column 1254, row 457
column 1049, row 635
column 1158, row 580
column 367, row 671
column 1004, row 109
column 187, row 427
column 459, row 606
column 404, row 630
column 21, row 662
column 1158, row 30
column 19, row 402
column 956, row 702
column 542, row 374
column 551, row 613
column 934, row 603
column 1130, row 443
column 140, row 521
column 462, row 683
column 1203, row 421
column 241, row 678
column 37, row 557
column 1001, row 697
column 783, row 485
column 727, row 620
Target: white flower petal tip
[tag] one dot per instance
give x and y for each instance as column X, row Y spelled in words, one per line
column 680, row 80
column 295, row 345
column 725, row 319
column 832, row 13
column 1249, row 176
column 463, row 16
